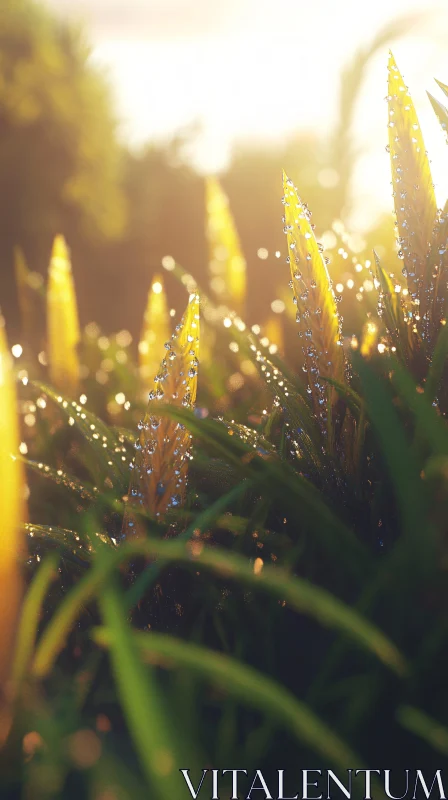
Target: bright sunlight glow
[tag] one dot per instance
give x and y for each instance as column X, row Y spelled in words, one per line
column 258, row 70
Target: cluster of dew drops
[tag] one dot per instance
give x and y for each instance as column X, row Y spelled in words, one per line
column 311, row 365
column 413, row 271
column 147, row 444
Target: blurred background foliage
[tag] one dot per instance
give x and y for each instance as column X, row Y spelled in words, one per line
column 63, row 168
column 60, row 164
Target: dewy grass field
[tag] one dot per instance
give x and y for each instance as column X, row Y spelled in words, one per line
column 183, row 590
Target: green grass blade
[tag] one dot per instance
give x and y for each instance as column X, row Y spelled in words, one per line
column 428, row 423
column 55, row 634
column 61, row 478
column 425, row 727
column 298, row 593
column 352, row 398
column 247, row 685
column 141, row 699
column 300, row 499
column 438, row 363
column 400, row 461
column 29, row 619
column 104, row 442
column 202, row 521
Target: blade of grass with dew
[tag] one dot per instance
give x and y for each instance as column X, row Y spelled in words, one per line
column 302, row 430
column 415, row 203
column 277, row 479
column 61, row 478
column 155, row 332
column 301, row 426
column 317, row 314
column 438, row 364
column 299, row 594
column 111, row 451
column 68, row 540
column 206, row 519
column 247, row 685
column 392, row 310
column 227, row 262
column 428, row 423
column 438, row 272
column 439, row 252
column 238, row 331
column 432, row 732
column 160, row 469
column 12, row 512
column 63, row 332
column 250, row 436
column 141, row 699
column 239, row 526
column 281, row 382
column 401, row 464
column 30, row 618
column 353, row 400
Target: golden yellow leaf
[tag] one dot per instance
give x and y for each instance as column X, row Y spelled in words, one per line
column 12, row 513
column 415, row 203
column 62, row 320
column 227, row 262
column 160, row 469
column 155, row 332
column 317, row 315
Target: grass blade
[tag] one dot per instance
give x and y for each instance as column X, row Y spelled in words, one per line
column 156, row 331
column 107, row 445
column 425, row 727
column 141, row 700
column 428, row 422
column 281, row 482
column 415, row 203
column 30, row 618
column 317, row 315
column 400, row 462
column 391, row 309
column 246, row 684
column 438, row 364
column 201, row 523
column 12, row 512
column 160, row 469
column 62, row 320
column 227, row 262
column 438, row 273
column 301, row 595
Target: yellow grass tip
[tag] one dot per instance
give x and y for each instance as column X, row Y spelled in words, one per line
column 62, row 320
column 12, row 512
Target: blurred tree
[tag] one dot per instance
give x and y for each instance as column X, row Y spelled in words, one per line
column 59, row 156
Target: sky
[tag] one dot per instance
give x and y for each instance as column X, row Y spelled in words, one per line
column 261, row 69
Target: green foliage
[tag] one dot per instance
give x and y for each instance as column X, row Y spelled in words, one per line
column 294, row 607
column 55, row 107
